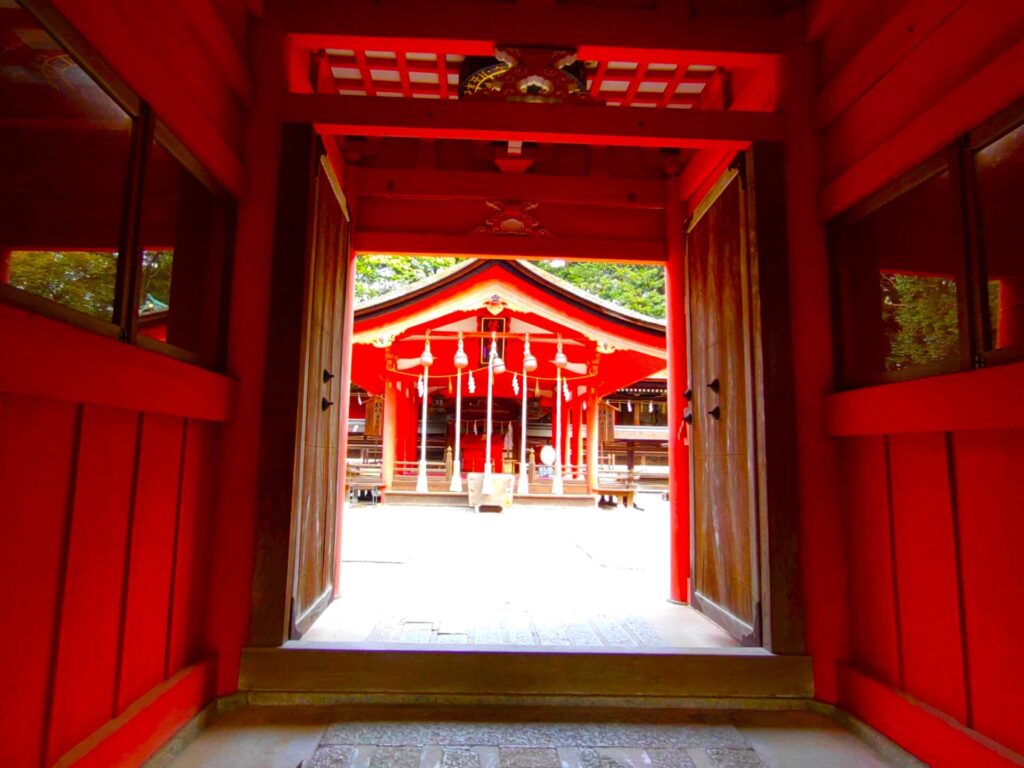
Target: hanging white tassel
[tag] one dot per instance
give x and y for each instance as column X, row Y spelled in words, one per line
column 419, row 385
column 629, row 405
column 515, row 383
column 475, row 432
column 650, row 406
column 471, row 384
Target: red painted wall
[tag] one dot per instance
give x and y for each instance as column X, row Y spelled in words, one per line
column 108, row 516
column 120, row 623
column 932, row 513
column 187, row 58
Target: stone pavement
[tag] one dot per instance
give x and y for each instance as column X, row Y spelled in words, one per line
column 533, row 745
column 419, row 737
column 531, row 576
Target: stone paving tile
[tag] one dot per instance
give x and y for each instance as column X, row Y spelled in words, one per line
column 520, row 632
column 331, row 756
column 489, row 633
column 670, row 758
column 734, row 758
column 386, row 630
column 596, row 735
column 460, row 757
column 643, row 631
column 616, row 757
column 396, row 757
column 416, row 632
column 582, row 634
column 613, row 632
column 529, row 757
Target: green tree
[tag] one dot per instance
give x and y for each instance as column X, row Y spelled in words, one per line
column 83, row 280
column 380, row 274
column 919, row 314
column 637, row 287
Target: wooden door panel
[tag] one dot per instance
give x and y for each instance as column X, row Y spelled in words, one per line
column 316, row 493
column 725, row 582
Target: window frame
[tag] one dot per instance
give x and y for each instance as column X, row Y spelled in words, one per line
column 972, row 315
column 145, row 128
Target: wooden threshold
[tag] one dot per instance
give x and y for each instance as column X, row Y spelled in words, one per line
column 691, row 673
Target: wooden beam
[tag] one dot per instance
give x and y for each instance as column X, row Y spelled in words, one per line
column 822, row 15
column 484, row 246
column 712, row 673
column 961, row 109
column 545, row 123
column 907, row 29
column 470, row 185
column 219, row 45
column 608, row 34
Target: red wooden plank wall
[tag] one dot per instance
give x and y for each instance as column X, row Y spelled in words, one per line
column 187, row 58
column 107, row 522
column 934, row 521
column 901, row 80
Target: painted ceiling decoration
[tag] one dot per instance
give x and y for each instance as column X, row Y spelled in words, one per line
column 517, row 73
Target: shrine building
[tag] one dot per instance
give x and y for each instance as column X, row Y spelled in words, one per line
column 193, row 404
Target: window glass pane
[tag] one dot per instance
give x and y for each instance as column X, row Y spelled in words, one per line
column 1000, row 175
column 184, row 236
column 64, row 153
column 899, row 271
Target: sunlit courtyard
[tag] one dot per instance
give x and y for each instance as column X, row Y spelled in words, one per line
column 555, row 576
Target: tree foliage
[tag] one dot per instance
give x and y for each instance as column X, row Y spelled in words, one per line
column 637, row 287
column 85, row 280
column 919, row 314
column 380, row 274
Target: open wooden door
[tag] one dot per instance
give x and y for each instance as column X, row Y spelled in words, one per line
column 316, row 489
column 725, row 562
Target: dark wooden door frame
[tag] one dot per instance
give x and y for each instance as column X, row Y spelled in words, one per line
column 270, row 619
column 781, row 621
column 781, row 601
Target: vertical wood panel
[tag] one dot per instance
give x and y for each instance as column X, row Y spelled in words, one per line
column 926, row 571
column 151, row 551
column 87, row 660
column 873, row 614
column 37, row 440
column 188, row 605
column 989, row 468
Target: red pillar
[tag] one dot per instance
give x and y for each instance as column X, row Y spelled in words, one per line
column 822, row 550
column 345, row 387
column 389, row 433
column 569, row 412
column 678, row 383
column 593, row 440
column 578, row 427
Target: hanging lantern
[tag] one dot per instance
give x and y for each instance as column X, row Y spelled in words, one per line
column 529, row 361
column 497, row 364
column 461, row 359
column 560, row 359
column 426, row 359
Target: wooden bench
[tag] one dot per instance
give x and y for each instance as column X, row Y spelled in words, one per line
column 364, row 477
column 620, row 486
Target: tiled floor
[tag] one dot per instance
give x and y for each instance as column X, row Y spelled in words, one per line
column 274, row 738
column 531, row 576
